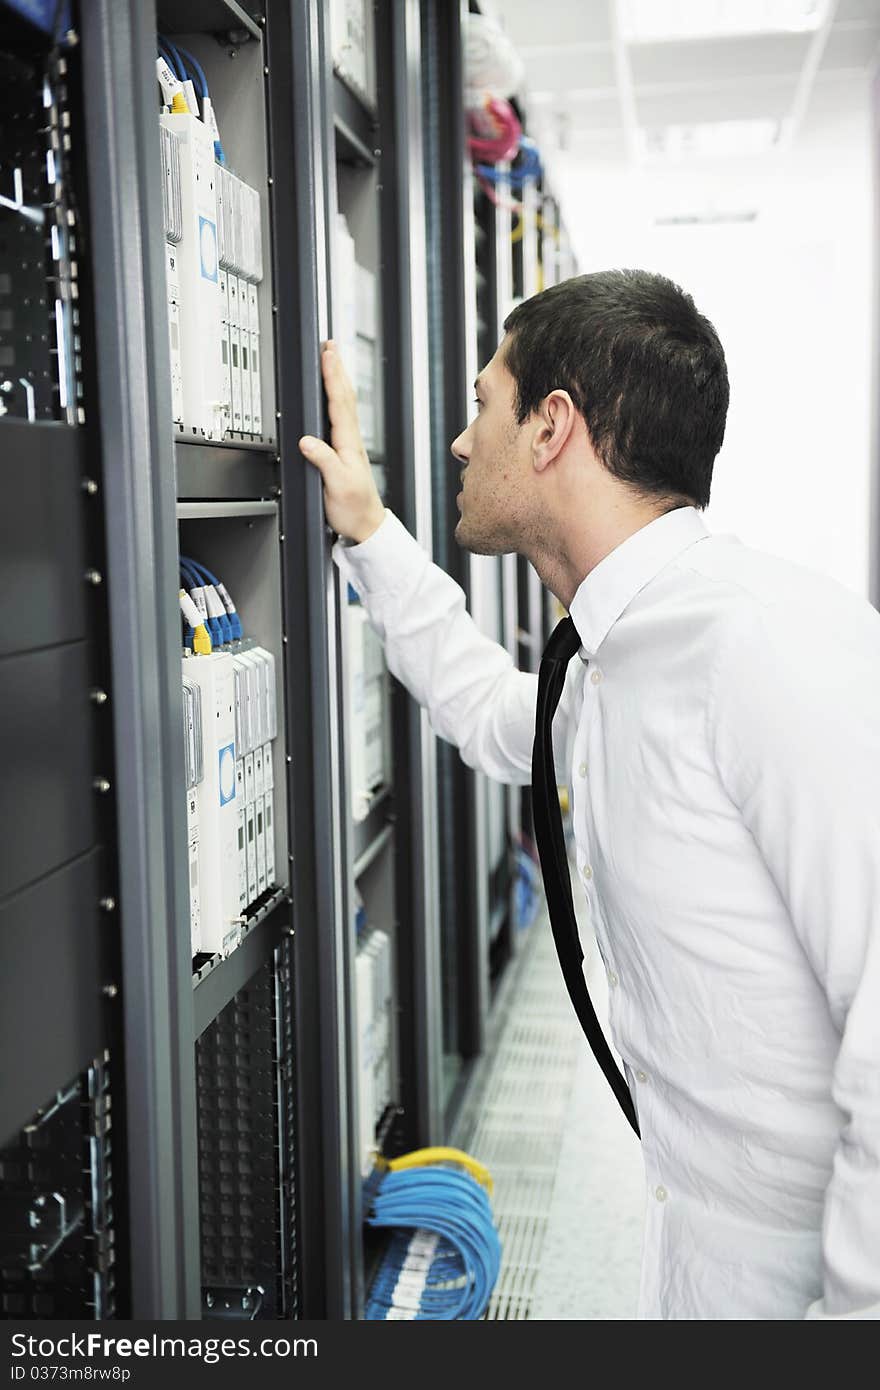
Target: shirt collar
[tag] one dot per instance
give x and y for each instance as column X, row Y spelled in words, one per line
column 610, row 588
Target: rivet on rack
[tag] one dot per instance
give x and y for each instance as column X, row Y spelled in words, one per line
column 111, row 991
column 98, row 696
column 92, row 576
column 100, row 784
column 89, row 485
column 107, row 904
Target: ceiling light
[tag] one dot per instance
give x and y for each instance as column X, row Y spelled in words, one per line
column 668, row 21
column 712, row 140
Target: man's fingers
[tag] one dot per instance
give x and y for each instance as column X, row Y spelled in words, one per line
column 341, row 402
column 319, row 453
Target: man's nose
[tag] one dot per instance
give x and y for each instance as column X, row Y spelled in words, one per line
column 460, row 447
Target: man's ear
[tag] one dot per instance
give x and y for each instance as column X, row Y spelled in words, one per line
column 557, row 418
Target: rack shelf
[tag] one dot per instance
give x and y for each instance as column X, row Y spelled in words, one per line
column 365, row 832
column 372, row 851
column 217, row 980
column 221, row 17
column 355, row 125
column 227, row 470
column 195, row 511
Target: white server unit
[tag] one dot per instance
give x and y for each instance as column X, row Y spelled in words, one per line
column 260, row 835
column 269, row 799
column 245, row 343
column 256, row 722
column 218, row 818
column 345, row 296
column 241, row 257
column 172, row 208
column 255, row 354
column 225, row 357
column 378, row 945
column 348, row 30
column 375, row 709
column 364, row 366
column 360, row 796
column 365, row 989
column 250, row 821
column 199, row 282
column 195, row 770
column 368, row 711
column 235, row 362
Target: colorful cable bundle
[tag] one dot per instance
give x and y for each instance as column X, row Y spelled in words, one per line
column 443, row 1259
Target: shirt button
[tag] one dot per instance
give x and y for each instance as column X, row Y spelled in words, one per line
column 660, row 1193
column 612, row 979
column 582, row 770
column 588, row 872
column 641, row 1076
column 596, row 677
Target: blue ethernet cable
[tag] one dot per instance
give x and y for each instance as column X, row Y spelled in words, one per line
column 229, row 631
column 233, row 618
column 193, row 581
column 200, row 82
column 467, row 1260
column 195, row 67
column 213, row 625
column 171, row 55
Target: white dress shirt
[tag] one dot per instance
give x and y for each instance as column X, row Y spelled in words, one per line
column 721, row 738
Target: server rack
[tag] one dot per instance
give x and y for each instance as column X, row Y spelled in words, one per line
column 64, row 1126
column 185, row 1213
column 389, row 855
column 460, row 983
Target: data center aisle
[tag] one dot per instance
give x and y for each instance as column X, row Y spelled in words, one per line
column 569, row 1187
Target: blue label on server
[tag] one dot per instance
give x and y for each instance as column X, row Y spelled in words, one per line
column 208, row 248
column 227, row 773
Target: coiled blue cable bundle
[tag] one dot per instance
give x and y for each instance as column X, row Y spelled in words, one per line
column 446, row 1269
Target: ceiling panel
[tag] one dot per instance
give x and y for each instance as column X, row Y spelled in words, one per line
column 560, row 68
column 852, row 47
column 597, row 111
column 571, row 81
column 597, row 147
column 856, row 9
column 556, row 21
column 701, row 61
column 732, row 102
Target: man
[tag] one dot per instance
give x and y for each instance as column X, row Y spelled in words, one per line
column 721, row 735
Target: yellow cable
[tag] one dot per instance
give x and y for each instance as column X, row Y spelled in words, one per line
column 178, row 104
column 201, row 640
column 420, row 1158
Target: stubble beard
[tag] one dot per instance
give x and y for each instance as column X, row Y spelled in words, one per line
column 485, row 543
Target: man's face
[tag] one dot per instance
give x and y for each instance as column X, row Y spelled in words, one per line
column 495, row 467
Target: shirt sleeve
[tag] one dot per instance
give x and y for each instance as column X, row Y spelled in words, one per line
column 795, row 719
column 474, row 696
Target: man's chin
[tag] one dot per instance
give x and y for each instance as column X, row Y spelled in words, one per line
column 477, row 544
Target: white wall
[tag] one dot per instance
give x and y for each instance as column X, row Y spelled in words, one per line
column 791, row 297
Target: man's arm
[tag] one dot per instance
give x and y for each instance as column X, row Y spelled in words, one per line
column 795, row 721
column 474, row 696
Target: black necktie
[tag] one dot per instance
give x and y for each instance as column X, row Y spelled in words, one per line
column 563, row 644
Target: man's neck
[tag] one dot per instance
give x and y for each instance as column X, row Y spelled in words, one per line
column 564, row 562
